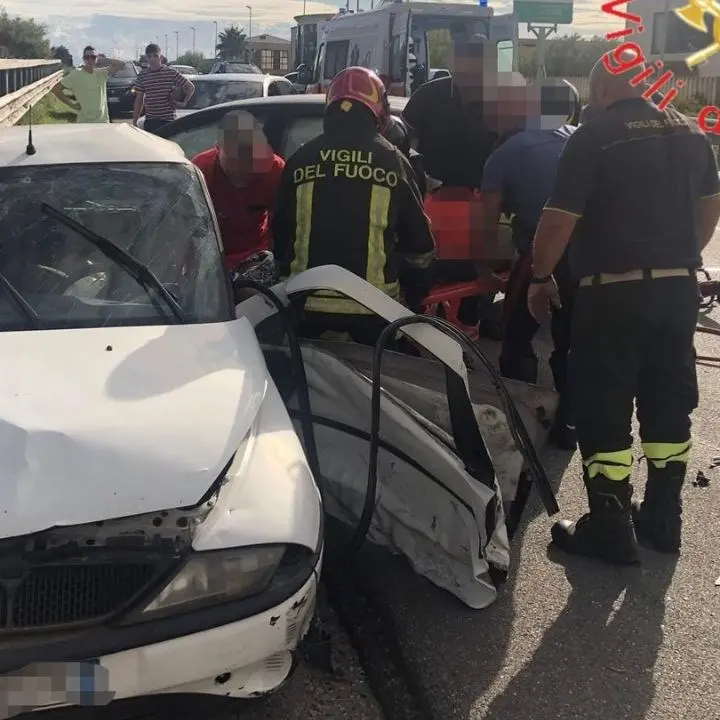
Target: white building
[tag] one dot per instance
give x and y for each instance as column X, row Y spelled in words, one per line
column 682, row 40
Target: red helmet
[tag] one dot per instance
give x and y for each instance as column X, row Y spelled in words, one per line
column 363, row 86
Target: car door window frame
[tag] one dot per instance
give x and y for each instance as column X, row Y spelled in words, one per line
column 315, row 113
column 212, row 123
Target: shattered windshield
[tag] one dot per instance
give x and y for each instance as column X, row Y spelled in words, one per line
column 52, row 276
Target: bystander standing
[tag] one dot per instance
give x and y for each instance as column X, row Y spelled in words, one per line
column 88, row 87
column 156, row 90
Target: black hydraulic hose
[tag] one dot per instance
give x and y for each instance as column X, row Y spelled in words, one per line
column 515, row 423
column 298, row 365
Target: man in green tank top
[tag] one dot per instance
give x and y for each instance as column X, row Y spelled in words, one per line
column 88, row 85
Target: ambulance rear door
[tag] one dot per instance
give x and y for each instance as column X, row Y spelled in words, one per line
column 504, row 32
column 399, row 34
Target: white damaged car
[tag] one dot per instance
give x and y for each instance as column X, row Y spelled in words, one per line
column 160, row 530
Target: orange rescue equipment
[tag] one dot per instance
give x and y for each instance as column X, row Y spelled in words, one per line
column 456, row 218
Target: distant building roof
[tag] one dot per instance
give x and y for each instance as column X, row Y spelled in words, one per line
column 264, row 38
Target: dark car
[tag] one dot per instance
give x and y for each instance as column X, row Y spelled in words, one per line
column 120, row 91
column 288, row 121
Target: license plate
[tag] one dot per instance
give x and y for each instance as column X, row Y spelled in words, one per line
column 45, row 685
column 113, row 100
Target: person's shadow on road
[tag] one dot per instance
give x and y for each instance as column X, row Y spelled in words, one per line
column 597, row 659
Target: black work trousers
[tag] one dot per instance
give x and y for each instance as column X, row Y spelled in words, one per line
column 633, row 341
column 520, row 327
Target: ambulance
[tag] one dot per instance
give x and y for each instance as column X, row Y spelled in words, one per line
column 395, row 40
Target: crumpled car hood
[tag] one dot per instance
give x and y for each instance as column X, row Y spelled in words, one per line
column 109, row 422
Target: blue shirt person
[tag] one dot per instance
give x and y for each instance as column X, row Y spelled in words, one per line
column 517, row 180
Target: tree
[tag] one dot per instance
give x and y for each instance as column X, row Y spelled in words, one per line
column 567, row 56
column 63, row 55
column 23, row 38
column 196, row 60
column 231, row 43
column 440, row 45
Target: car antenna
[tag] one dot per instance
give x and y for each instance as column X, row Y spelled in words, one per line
column 30, row 149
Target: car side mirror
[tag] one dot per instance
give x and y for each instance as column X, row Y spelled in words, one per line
column 304, row 75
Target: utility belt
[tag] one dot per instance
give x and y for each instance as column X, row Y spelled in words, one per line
column 634, row 275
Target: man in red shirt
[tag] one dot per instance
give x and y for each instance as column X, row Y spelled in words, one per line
column 242, row 175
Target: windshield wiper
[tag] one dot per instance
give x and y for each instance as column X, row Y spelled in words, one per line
column 139, row 272
column 22, row 304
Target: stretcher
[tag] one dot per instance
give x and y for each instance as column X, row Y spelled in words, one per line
column 457, row 221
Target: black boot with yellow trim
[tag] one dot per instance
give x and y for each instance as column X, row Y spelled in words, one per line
column 658, row 519
column 606, row 532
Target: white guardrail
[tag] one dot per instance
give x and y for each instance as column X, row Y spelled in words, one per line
column 23, row 83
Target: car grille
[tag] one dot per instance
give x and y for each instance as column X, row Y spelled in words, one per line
column 61, row 595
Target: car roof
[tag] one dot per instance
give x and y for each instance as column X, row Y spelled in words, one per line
column 397, row 104
column 225, row 77
column 75, row 143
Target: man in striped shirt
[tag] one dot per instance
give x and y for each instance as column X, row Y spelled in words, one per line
column 156, row 88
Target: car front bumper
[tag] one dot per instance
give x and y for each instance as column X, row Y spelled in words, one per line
column 244, row 659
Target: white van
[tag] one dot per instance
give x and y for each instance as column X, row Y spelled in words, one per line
column 381, row 39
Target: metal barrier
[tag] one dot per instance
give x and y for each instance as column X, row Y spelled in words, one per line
column 22, row 83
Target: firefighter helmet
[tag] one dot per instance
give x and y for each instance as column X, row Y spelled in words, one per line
column 358, row 84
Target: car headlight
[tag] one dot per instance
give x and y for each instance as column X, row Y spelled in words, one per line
column 210, row 578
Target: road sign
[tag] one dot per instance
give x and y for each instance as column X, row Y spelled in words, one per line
column 544, row 11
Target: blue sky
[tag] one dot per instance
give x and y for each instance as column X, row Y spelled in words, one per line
column 117, row 27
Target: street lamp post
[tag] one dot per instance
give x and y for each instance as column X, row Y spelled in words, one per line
column 216, row 35
column 249, row 7
column 166, row 44
column 177, row 44
column 193, row 31
column 666, row 19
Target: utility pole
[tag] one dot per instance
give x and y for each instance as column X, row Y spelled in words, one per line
column 193, row 31
column 177, row 45
column 166, row 44
column 214, row 53
column 542, row 33
column 666, row 23
column 249, row 7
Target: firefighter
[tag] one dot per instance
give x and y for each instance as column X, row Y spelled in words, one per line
column 637, row 189
column 348, row 198
column 398, row 135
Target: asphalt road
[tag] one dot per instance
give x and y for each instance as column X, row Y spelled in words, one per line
column 567, row 639
column 574, row 639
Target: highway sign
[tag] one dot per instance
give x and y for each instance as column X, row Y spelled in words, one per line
column 544, row 11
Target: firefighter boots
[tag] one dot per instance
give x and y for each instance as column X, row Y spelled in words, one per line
column 606, row 532
column 658, row 519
